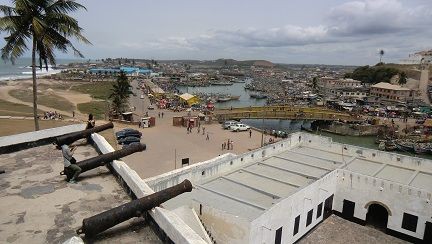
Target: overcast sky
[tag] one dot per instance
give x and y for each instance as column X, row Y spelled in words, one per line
column 294, row 31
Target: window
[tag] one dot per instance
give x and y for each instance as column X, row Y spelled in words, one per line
column 296, row 225
column 309, row 218
column 278, row 237
column 319, row 210
column 409, row 222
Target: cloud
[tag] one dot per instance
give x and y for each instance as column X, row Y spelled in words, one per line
column 375, row 17
column 351, row 22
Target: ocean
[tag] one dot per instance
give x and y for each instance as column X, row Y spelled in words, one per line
column 15, row 72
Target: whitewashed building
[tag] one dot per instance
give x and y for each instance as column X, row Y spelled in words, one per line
column 278, row 193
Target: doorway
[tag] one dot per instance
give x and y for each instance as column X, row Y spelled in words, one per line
column 428, row 233
column 348, row 209
column 377, row 216
column 328, row 207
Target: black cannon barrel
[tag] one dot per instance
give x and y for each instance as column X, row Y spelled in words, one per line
column 105, row 220
column 97, row 161
column 74, row 136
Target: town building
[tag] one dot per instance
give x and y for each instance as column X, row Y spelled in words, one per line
column 423, row 57
column 341, row 88
column 390, row 92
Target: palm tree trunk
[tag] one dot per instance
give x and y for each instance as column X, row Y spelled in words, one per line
column 34, row 85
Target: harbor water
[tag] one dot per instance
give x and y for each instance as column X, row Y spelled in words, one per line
column 236, row 89
column 289, row 126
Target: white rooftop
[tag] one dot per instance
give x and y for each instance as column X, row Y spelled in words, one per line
column 255, row 187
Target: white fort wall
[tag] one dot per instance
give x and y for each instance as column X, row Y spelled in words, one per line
column 214, row 167
column 341, row 183
column 326, row 143
column 283, row 214
column 398, row 198
column 224, row 227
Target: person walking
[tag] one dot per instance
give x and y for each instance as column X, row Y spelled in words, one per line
column 159, row 115
column 224, row 146
column 203, row 130
column 250, row 133
column 228, row 144
column 207, row 138
column 162, row 114
column 70, row 162
column 232, row 145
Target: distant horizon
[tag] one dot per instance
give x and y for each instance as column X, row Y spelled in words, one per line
column 332, row 32
column 203, row 60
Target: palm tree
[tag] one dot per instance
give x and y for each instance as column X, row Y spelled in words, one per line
column 120, row 92
column 402, row 78
column 44, row 23
column 381, row 53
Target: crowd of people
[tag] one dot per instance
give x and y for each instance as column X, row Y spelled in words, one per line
column 52, row 115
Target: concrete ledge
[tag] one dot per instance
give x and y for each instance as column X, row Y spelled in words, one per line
column 13, row 143
column 173, row 226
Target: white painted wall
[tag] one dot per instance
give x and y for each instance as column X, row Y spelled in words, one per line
column 375, row 155
column 283, row 214
column 39, row 135
column 398, row 198
column 224, row 227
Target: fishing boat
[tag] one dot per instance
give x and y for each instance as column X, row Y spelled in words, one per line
column 235, row 97
column 223, row 99
column 420, row 149
column 258, row 96
column 238, row 81
column 405, row 146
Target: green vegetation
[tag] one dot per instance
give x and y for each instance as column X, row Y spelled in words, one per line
column 49, row 27
column 373, row 75
column 97, row 108
column 98, row 90
column 14, row 109
column 120, row 93
column 49, row 100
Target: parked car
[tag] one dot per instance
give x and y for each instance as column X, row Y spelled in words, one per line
column 227, row 124
column 239, row 127
column 150, row 107
column 142, row 96
column 130, row 144
column 129, row 140
column 127, row 132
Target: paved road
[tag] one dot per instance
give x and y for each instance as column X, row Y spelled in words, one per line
column 423, row 86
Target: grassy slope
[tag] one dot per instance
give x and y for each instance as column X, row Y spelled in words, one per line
column 15, row 109
column 50, row 100
column 98, row 90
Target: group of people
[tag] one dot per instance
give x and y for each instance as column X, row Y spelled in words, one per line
column 189, row 130
column 229, row 145
column 68, row 159
column 52, row 115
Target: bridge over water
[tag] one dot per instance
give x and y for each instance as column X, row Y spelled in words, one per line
column 283, row 112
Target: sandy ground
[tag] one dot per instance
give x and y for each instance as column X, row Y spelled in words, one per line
column 72, row 96
column 167, row 145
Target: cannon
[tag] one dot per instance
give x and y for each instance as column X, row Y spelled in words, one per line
column 103, row 159
column 74, row 136
column 105, row 220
